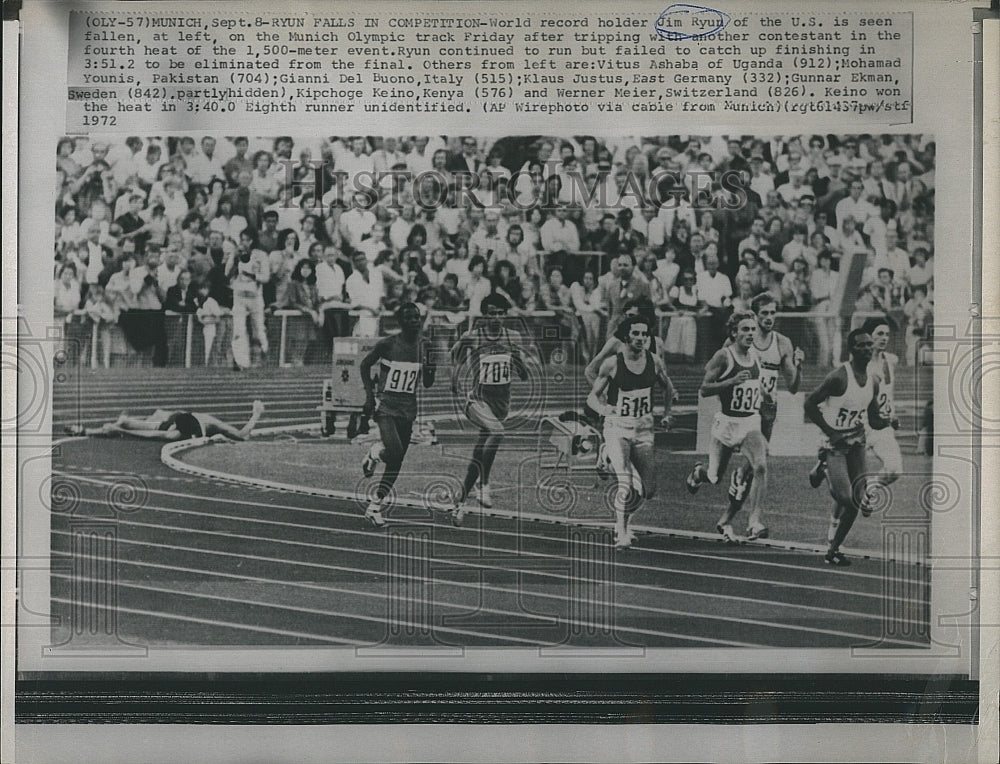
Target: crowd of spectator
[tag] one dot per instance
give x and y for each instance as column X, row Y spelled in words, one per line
column 343, row 229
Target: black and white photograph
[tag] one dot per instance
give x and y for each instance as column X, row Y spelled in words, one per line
column 499, row 381
column 460, row 391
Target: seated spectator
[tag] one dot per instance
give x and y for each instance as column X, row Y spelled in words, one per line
column 449, row 296
column 888, row 293
column 436, row 268
column 921, row 273
column 67, row 294
column 506, row 283
column 686, row 304
column 823, row 287
column 478, row 286
column 795, row 249
column 795, row 294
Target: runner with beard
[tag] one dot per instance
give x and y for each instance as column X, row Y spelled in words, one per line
column 623, row 393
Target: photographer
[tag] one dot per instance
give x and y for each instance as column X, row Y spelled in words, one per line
column 247, row 270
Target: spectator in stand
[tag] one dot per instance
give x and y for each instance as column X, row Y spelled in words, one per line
column 227, row 222
column 667, row 270
column 921, row 273
column 506, row 283
column 449, row 297
column 682, row 333
column 889, row 294
column 559, row 237
column 478, row 285
column 67, row 294
column 102, row 313
column 919, row 311
column 823, row 287
column 209, row 313
column 795, row 249
column 181, row 297
column 586, row 298
column 436, row 267
column 240, row 162
column 795, row 293
column 303, row 297
column 330, row 282
column 281, row 263
column 555, row 296
column 247, row 270
column 647, row 267
column 628, row 285
column 365, row 292
column 269, row 238
column 893, row 257
column 877, row 227
column 119, row 285
column 847, row 242
column 855, row 206
column 458, row 263
column 743, row 301
column 752, row 272
column 716, row 291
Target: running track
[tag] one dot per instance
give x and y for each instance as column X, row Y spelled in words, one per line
column 204, row 563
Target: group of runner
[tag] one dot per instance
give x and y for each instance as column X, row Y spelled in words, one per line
column 853, row 407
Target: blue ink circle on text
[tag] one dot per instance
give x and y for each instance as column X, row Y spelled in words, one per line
column 682, row 21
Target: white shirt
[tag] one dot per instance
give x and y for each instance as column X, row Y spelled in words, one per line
column 398, row 233
column 368, row 294
column 166, row 277
column 329, row 281
column 560, row 235
column 860, row 210
column 355, row 223
column 714, row 290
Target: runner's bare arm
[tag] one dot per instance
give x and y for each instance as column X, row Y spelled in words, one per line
column 609, row 349
column 834, row 384
column 518, row 356
column 597, row 399
column 874, row 412
column 791, row 363
column 668, row 386
column 715, row 369
column 376, row 354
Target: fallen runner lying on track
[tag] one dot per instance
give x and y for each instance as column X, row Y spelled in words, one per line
column 173, row 425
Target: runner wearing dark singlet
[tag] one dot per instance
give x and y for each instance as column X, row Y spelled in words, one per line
column 491, row 353
column 401, row 367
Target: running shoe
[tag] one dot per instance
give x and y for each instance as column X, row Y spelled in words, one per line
column 374, row 514
column 817, row 474
column 368, row 464
column 75, row 431
column 458, row 514
column 728, row 534
column 694, row 481
column 836, row 558
column 755, row 532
